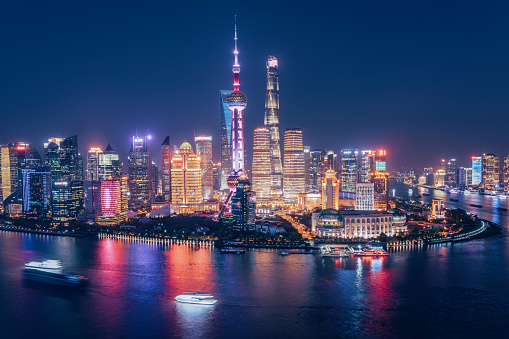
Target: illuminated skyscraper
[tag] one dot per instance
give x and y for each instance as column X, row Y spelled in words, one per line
column 348, row 170
column 315, row 170
column 364, row 196
column 476, row 171
column 186, row 187
column 226, row 137
column 272, row 121
column 244, row 205
column 36, row 192
column 261, row 164
column 293, row 171
column 380, row 163
column 380, row 180
column 204, row 150
column 140, row 172
column 110, row 165
column 330, row 190
column 166, row 168
column 506, row 174
column 450, row 173
column 93, row 163
column 366, row 165
column 8, row 172
column 490, row 171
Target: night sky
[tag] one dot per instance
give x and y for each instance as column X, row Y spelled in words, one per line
column 425, row 79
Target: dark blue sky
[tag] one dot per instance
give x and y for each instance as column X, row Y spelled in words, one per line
column 425, row 79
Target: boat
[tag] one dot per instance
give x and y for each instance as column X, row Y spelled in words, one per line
column 283, row 252
column 196, row 298
column 425, row 194
column 454, row 190
column 372, row 252
column 453, row 199
column 50, row 272
column 501, row 208
column 232, row 250
column 475, row 205
column 334, row 254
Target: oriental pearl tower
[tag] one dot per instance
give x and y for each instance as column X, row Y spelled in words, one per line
column 236, row 101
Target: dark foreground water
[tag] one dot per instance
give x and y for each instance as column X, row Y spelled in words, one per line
column 454, row 291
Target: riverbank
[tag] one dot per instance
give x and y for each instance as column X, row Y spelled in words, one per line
column 47, row 232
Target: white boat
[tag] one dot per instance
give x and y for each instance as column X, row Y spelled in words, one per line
column 46, row 265
column 340, row 254
column 233, row 250
column 283, row 252
column 196, row 298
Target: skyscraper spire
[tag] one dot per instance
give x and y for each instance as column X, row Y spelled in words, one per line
column 236, row 52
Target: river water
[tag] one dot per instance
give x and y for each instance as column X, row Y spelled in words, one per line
column 452, row 290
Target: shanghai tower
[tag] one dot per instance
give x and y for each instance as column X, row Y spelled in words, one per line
column 272, row 122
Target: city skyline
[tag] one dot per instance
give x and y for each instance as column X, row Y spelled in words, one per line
column 101, row 98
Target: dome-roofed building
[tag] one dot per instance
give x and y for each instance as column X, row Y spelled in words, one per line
column 330, row 223
column 186, row 147
column 398, row 220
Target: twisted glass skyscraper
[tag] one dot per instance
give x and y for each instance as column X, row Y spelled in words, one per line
column 272, row 122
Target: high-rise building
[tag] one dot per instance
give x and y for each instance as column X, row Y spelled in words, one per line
column 216, row 173
column 348, row 170
column 293, row 171
column 316, row 170
column 380, row 180
column 36, row 192
column 366, row 167
column 110, row 165
column 330, row 161
column 244, row 205
column 450, row 173
column 71, row 161
column 166, row 169
column 330, row 190
column 140, row 172
column 93, row 163
column 272, row 122
column 365, row 196
column 106, row 201
column 155, row 180
column 380, row 163
column 261, row 172
column 186, row 176
column 226, row 137
column 204, row 150
column 8, row 172
column 67, row 199
column 468, row 176
column 490, row 171
column 476, row 171
column 307, row 159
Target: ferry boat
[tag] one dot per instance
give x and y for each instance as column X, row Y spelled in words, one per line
column 50, row 272
column 283, row 252
column 372, row 252
column 335, row 254
column 232, row 250
column 454, row 190
column 196, row 298
column 332, row 251
column 475, row 205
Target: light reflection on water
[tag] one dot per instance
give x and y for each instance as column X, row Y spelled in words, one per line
column 261, row 294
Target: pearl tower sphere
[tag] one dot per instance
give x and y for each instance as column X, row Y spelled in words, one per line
column 236, row 101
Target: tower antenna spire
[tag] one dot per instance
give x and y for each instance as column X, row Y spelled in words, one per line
column 236, row 52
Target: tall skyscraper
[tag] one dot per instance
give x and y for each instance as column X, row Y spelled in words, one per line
column 110, row 165
column 166, row 168
column 476, row 171
column 450, row 173
column 380, row 180
column 272, row 121
column 506, row 174
column 93, row 163
column 71, row 161
column 216, row 173
column 204, row 150
column 226, row 137
column 490, row 171
column 293, row 171
column 36, row 192
column 140, row 172
column 367, row 163
column 261, row 172
column 348, row 170
column 365, row 196
column 186, row 187
column 380, row 163
column 8, row 172
column 330, row 190
column 244, row 205
column 315, row 170
column 307, row 159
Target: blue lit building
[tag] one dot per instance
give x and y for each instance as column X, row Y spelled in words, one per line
column 226, row 137
column 476, row 171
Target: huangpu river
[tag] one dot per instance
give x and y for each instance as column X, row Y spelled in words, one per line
column 449, row 290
